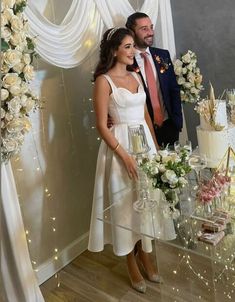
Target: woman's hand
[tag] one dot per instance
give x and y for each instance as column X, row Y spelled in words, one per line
column 131, row 166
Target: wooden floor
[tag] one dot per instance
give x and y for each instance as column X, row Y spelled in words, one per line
column 102, row 277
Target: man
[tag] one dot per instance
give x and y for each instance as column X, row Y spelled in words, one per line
column 165, row 111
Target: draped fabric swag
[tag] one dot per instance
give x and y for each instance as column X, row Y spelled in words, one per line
column 68, row 44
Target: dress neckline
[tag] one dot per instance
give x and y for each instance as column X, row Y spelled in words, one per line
column 119, row 87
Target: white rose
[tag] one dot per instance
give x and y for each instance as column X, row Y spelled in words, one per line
column 14, row 105
column 157, row 157
column 12, row 57
column 187, row 85
column 11, row 79
column 26, row 124
column 15, row 89
column 155, row 170
column 26, row 59
column 178, row 63
column 194, row 90
column 5, row 33
column 22, row 47
column 10, row 144
column 18, row 68
column 4, row 68
column 186, row 58
column 181, row 80
column 17, row 38
column 7, row 3
column 3, row 124
column 9, row 116
column 4, row 94
column 184, row 70
column 178, row 70
column 16, row 24
column 190, row 67
column 191, row 77
column 24, row 88
column 4, row 20
column 198, row 79
column 30, row 103
column 23, row 100
column 163, row 153
column 15, row 125
column 3, row 112
column 7, row 14
column 169, row 176
column 28, row 72
column 162, row 168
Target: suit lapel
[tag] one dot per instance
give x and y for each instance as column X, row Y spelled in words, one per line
column 154, row 55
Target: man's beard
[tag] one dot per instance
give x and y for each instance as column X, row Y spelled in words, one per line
column 142, row 43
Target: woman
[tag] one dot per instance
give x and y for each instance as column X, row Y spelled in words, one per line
column 119, row 94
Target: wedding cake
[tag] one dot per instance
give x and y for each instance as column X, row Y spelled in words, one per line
column 214, row 134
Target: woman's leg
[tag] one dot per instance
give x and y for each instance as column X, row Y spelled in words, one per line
column 146, row 261
column 148, row 265
column 137, row 281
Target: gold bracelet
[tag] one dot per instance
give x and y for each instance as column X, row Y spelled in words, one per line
column 115, row 149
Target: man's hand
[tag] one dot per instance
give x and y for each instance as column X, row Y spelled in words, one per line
column 109, row 122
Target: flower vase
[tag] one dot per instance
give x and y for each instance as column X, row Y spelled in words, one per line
column 172, row 198
column 208, row 210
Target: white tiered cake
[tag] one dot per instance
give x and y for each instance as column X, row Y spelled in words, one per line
column 214, row 143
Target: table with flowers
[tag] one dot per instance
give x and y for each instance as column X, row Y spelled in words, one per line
column 201, row 268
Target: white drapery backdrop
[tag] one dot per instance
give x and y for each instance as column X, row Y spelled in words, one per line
column 66, row 45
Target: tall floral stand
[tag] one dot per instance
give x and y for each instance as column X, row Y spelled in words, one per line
column 19, row 283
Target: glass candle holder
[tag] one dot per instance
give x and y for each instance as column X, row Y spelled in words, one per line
column 137, row 140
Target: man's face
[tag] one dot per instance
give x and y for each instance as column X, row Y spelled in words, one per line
column 143, row 33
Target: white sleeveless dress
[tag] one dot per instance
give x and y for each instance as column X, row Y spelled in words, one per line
column 113, row 185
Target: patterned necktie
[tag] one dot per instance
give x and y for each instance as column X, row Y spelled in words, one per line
column 152, row 88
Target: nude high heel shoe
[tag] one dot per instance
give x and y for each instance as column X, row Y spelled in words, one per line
column 139, row 286
column 151, row 277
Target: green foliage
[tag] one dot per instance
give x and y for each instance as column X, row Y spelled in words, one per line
column 4, row 45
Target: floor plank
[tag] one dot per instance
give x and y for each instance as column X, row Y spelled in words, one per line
column 102, row 277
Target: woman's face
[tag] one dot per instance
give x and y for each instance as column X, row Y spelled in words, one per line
column 126, row 51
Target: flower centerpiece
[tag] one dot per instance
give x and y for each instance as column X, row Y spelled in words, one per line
column 17, row 99
column 167, row 171
column 188, row 77
column 212, row 188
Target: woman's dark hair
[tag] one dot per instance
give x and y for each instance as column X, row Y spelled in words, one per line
column 130, row 23
column 111, row 40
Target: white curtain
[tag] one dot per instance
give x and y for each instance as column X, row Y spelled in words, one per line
column 19, row 283
column 68, row 44
column 65, row 45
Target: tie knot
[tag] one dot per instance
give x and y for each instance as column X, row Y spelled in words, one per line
column 144, row 54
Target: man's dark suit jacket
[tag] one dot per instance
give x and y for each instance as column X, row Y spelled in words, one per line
column 168, row 84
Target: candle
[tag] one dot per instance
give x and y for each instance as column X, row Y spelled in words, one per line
column 137, row 143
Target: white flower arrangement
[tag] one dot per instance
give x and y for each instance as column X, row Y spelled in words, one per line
column 188, row 77
column 17, row 99
column 167, row 170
